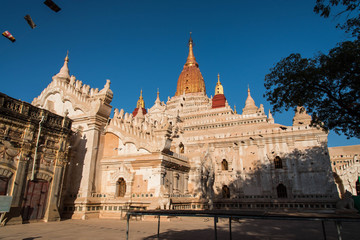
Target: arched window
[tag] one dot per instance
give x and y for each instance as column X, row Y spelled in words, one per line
column 278, row 162
column 4, row 181
column 181, row 148
column 120, row 188
column 281, row 191
column 225, row 192
column 357, row 186
column 224, row 165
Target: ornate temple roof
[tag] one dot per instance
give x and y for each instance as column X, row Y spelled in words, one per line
column 190, row 79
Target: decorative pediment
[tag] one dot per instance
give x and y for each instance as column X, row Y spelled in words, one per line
column 72, row 96
column 124, row 171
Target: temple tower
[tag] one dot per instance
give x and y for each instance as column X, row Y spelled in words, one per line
column 190, row 79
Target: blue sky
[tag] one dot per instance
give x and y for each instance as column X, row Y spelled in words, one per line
column 143, row 45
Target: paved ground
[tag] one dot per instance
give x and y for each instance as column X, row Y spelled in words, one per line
column 177, row 228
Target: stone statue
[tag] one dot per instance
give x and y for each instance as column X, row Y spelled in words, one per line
column 207, row 178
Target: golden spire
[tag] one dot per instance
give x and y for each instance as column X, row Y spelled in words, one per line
column 191, row 61
column 140, row 102
column 219, row 88
column 235, row 109
column 190, row 79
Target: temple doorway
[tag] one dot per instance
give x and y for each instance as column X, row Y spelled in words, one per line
column 35, row 200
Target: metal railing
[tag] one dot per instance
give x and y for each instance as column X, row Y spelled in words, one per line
column 337, row 218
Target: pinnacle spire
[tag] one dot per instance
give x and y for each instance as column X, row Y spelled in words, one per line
column 270, row 115
column 140, row 102
column 157, row 97
column 191, row 61
column 64, row 71
column 250, row 106
column 219, row 88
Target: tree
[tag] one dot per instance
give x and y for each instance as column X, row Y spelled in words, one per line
column 328, row 86
column 349, row 8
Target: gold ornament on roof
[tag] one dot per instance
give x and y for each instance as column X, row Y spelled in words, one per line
column 140, row 102
column 219, row 88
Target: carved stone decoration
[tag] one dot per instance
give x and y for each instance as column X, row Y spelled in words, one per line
column 8, row 152
column 48, row 157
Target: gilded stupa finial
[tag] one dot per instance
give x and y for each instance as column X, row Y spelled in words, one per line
column 191, row 61
column 140, row 102
column 219, row 88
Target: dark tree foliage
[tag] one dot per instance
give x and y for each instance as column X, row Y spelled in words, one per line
column 327, row 85
column 349, row 9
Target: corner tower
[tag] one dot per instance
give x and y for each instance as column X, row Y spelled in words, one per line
column 190, row 79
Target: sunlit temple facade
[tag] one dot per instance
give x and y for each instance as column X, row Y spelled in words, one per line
column 190, row 152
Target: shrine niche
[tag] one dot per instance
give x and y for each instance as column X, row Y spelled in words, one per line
column 224, row 165
column 120, row 188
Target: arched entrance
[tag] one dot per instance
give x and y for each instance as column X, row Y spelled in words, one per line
column 35, row 200
column 281, row 191
column 120, row 188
